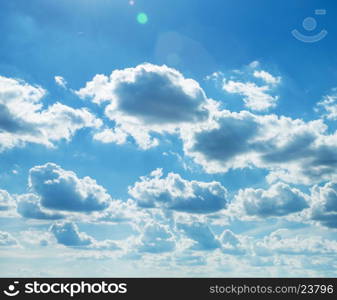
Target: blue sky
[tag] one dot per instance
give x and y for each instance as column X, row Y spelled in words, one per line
column 199, row 143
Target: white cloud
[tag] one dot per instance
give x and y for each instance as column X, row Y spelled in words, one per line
column 279, row 200
column 291, row 149
column 267, row 77
column 255, row 97
column 232, row 243
column 324, row 204
column 28, row 206
column 176, row 193
column 63, row 190
column 24, row 120
column 278, row 242
column 120, row 212
column 67, row 233
column 329, row 106
column 61, row 81
column 146, row 99
column 156, row 238
column 203, row 237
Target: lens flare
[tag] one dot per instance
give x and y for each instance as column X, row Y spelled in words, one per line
column 142, row 18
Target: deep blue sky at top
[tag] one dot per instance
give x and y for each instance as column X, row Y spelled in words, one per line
column 77, row 39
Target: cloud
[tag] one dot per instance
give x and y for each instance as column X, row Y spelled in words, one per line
column 120, row 212
column 279, row 242
column 291, row 149
column 23, row 119
column 28, row 206
column 6, row 201
column 61, row 81
column 156, row 238
column 201, row 234
column 329, row 106
column 176, row 193
column 279, row 200
column 231, row 243
column 324, row 204
column 246, row 82
column 6, row 239
column 63, row 190
column 146, row 99
column 255, row 97
column 67, row 234
column 267, row 77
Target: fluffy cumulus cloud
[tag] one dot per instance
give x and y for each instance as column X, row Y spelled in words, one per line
column 6, row 239
column 324, row 204
column 175, row 193
column 6, row 201
column 68, row 234
column 290, row 149
column 60, row 189
column 24, row 120
column 156, row 238
column 279, row 200
column 145, row 99
column 28, row 206
column 279, row 242
column 267, row 77
column 120, row 212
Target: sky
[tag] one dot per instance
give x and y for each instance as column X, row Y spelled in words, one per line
column 168, row 138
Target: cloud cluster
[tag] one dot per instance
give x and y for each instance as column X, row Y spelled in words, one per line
column 145, row 99
column 62, row 190
column 279, row 200
column 291, row 149
column 175, row 193
column 280, row 242
column 24, row 120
